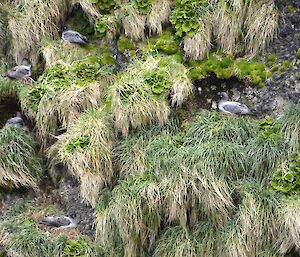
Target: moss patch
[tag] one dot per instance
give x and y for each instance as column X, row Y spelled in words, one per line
column 124, row 43
column 224, row 66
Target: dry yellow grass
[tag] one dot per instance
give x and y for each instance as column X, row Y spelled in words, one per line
column 261, row 25
column 159, row 15
column 86, row 149
column 199, row 45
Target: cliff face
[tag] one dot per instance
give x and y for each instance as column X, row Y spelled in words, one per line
column 125, row 133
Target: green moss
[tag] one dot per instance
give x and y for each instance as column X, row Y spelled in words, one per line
column 255, row 72
column 298, row 53
column 224, row 67
column 291, row 8
column 272, row 60
column 78, row 143
column 166, row 43
column 287, row 179
column 124, row 43
column 286, row 65
column 74, row 248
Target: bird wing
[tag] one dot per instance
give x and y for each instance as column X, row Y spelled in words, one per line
column 235, row 108
column 56, row 221
column 24, row 70
column 74, row 37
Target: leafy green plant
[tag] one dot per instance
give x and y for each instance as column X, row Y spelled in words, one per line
column 77, row 143
column 270, row 129
column 144, row 6
column 105, row 6
column 124, row 43
column 74, row 248
column 158, row 81
column 105, row 23
column 185, row 16
column 287, row 177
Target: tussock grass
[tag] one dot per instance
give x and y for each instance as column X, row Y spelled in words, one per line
column 176, row 242
column 139, row 93
column 62, row 93
column 265, row 156
column 255, row 227
column 133, row 23
column 86, row 149
column 133, row 151
column 208, row 126
column 261, row 24
column 288, row 213
column 19, row 163
column 137, row 200
column 290, row 121
column 30, row 22
column 53, row 53
column 27, row 26
column 62, row 108
column 160, row 11
column 198, row 46
column 228, row 21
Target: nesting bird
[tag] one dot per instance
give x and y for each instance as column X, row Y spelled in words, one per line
column 60, row 221
column 231, row 107
column 72, row 36
column 17, row 121
column 22, row 71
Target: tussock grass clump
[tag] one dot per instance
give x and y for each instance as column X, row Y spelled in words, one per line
column 139, row 93
column 201, row 240
column 63, row 92
column 55, row 52
column 29, row 22
column 19, row 162
column 288, row 213
column 208, row 126
column 268, row 148
column 135, row 15
column 228, row 20
column 290, row 121
column 197, row 47
column 132, row 151
column 86, row 149
column 137, row 200
column 261, row 24
column 255, row 227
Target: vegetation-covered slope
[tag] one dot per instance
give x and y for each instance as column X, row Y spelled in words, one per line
column 163, row 179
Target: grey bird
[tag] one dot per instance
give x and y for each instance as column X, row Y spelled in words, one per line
column 17, row 121
column 72, row 36
column 20, row 72
column 231, row 107
column 60, row 221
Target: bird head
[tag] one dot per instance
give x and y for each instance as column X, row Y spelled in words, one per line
column 26, row 62
column 72, row 215
column 222, row 96
column 64, row 28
